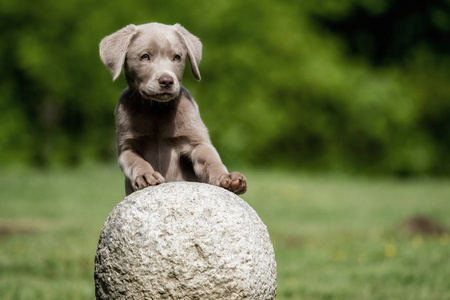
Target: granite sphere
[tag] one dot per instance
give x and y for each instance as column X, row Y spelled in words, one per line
column 184, row 240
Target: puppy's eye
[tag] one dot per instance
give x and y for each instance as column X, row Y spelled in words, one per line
column 145, row 57
column 176, row 57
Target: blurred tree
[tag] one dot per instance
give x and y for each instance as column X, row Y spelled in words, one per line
column 412, row 36
column 390, row 32
column 359, row 85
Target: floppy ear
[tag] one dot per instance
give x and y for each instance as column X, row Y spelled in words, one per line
column 194, row 48
column 113, row 49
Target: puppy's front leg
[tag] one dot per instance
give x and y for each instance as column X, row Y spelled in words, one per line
column 138, row 171
column 209, row 168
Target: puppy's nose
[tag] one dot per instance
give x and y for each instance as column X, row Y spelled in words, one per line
column 165, row 81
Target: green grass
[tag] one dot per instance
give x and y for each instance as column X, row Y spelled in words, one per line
column 334, row 237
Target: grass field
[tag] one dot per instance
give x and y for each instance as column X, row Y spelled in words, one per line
column 334, row 237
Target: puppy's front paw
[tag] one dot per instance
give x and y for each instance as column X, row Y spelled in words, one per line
column 234, row 182
column 147, row 179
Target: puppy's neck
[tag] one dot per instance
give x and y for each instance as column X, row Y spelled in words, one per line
column 132, row 98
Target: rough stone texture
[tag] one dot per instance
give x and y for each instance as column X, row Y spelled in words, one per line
column 184, row 240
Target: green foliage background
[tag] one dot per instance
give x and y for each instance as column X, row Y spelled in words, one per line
column 359, row 85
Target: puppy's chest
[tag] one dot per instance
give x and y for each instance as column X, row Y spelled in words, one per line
column 158, row 130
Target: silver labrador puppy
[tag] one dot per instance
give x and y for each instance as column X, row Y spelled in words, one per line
column 160, row 135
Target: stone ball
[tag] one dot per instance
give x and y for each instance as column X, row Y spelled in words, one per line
column 184, row 240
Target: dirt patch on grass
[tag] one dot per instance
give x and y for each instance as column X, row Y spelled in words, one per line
column 12, row 229
column 423, row 225
column 291, row 241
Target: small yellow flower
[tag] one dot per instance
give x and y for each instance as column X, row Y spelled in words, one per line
column 339, row 255
column 292, row 199
column 291, row 282
column 362, row 258
column 417, row 241
column 390, row 250
column 444, row 239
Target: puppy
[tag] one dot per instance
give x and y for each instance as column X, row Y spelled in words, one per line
column 160, row 135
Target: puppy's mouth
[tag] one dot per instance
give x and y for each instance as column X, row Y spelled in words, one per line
column 160, row 97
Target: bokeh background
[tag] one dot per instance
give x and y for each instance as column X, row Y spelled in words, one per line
column 359, row 86
column 337, row 112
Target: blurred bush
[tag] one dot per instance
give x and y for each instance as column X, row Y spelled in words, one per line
column 359, row 85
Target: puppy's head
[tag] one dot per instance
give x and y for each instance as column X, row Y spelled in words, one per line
column 153, row 56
